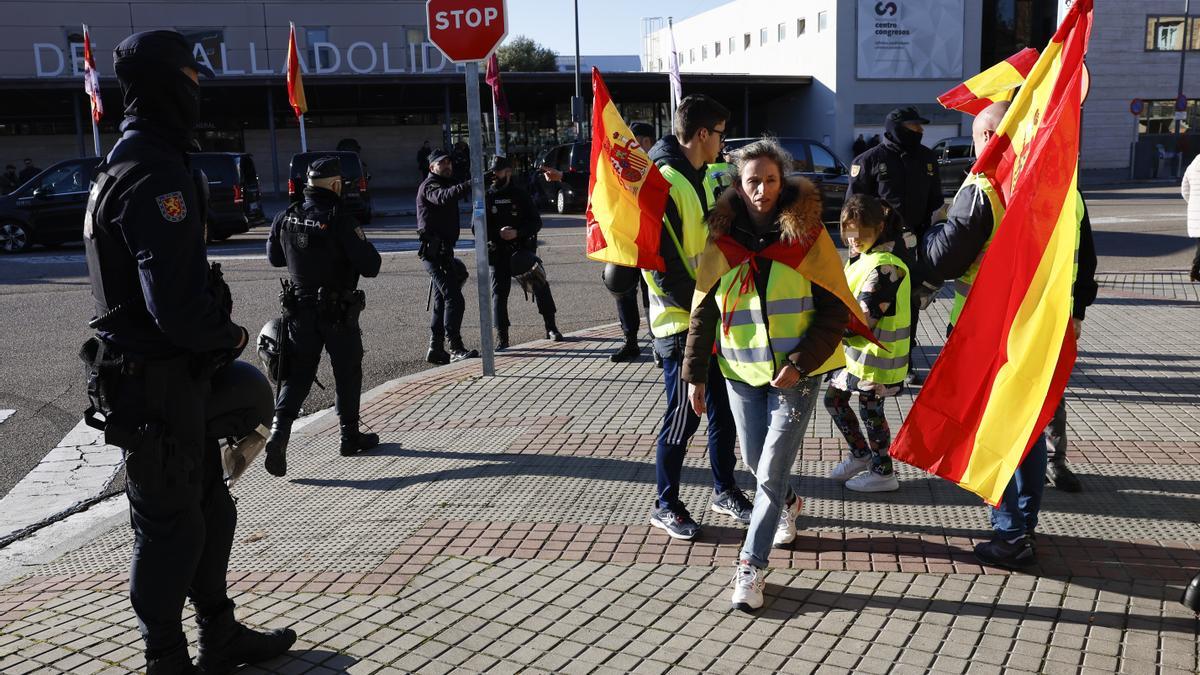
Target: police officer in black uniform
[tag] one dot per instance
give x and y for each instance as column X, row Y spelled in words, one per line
column 513, row 224
column 162, row 368
column 903, row 173
column 438, row 226
column 325, row 251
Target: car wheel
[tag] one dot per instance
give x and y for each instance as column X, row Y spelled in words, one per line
column 560, row 202
column 14, row 238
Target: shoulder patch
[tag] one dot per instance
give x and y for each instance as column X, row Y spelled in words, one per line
column 361, row 235
column 855, row 169
column 172, row 207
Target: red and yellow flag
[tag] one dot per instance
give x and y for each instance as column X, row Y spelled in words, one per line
column 295, row 81
column 627, row 195
column 992, row 85
column 1003, row 371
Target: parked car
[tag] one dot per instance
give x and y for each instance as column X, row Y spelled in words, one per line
column 234, row 201
column 48, row 209
column 815, row 162
column 955, row 157
column 356, row 195
column 574, row 161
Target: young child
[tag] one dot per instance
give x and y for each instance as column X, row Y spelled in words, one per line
column 880, row 282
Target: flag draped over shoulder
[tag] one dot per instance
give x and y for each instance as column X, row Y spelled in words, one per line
column 992, row 85
column 492, row 77
column 295, row 81
column 91, row 79
column 815, row 258
column 1003, row 371
column 627, row 195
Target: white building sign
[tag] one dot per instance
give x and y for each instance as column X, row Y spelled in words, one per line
column 910, row 39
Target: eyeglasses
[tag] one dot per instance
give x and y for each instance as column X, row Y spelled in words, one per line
column 721, row 133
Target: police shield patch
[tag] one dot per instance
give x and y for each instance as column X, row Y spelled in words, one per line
column 172, row 207
column 855, row 169
column 301, row 239
column 361, row 235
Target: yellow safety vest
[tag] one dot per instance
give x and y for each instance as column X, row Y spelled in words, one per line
column 752, row 343
column 962, row 285
column 864, row 359
column 666, row 317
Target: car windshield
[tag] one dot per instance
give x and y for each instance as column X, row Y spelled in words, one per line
column 219, row 169
column 64, row 179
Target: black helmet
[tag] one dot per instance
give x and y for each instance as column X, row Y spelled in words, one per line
column 619, row 279
column 1191, row 595
column 522, row 261
column 269, row 345
column 460, row 271
column 527, row 270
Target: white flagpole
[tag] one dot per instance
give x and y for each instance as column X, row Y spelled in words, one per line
column 496, row 123
column 303, row 136
column 96, row 137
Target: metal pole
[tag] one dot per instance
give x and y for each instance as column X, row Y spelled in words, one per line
column 274, row 142
column 446, row 140
column 303, row 136
column 95, row 135
column 1182, row 62
column 78, row 126
column 577, row 105
column 478, row 224
column 496, row 123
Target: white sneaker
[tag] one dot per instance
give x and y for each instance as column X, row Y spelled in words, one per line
column 748, row 584
column 870, row 481
column 850, row 467
column 785, row 532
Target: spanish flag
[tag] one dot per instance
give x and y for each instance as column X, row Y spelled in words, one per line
column 1003, row 371
column 992, row 85
column 627, row 195
column 295, row 81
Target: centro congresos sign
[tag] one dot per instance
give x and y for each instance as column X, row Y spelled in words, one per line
column 358, row 58
column 910, row 39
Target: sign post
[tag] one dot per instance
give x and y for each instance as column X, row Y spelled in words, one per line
column 1136, row 106
column 468, row 31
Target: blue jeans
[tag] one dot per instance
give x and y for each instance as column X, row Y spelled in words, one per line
column 1017, row 514
column 771, row 423
column 680, row 422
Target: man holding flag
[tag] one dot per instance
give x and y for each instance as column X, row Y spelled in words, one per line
column 1000, row 378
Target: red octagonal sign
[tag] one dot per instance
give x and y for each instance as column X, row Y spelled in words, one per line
column 466, row 30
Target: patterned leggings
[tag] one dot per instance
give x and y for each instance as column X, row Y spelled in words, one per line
column 879, row 435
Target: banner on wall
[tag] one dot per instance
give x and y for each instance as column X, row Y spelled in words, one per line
column 910, row 39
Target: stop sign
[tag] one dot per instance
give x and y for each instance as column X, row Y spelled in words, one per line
column 466, row 30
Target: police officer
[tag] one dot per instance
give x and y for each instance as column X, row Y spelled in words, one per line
column 438, row 226
column 162, row 368
column 513, row 224
column 903, row 173
column 325, row 251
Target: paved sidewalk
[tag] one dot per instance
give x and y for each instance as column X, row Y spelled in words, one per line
column 502, row 527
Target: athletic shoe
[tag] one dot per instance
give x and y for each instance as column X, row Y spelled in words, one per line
column 748, row 584
column 1062, row 477
column 914, row 378
column 677, row 524
column 734, row 504
column 462, row 353
column 850, row 467
column 869, row 481
column 553, row 335
column 1009, row 555
column 785, row 532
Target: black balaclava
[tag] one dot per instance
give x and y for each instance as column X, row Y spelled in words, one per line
column 901, row 135
column 166, row 97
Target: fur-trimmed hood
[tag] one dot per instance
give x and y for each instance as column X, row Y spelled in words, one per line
column 798, row 214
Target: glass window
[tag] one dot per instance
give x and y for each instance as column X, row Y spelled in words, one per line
column 938, row 148
column 781, row 32
column 209, row 41
column 731, row 43
column 823, row 161
column 313, row 35
column 762, row 36
column 1164, row 33
column 691, row 56
column 746, row 41
column 716, row 49
column 65, row 179
column 822, row 21
column 958, row 151
column 800, row 27
column 703, row 52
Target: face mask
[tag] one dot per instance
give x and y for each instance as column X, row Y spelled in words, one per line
column 908, row 137
column 185, row 98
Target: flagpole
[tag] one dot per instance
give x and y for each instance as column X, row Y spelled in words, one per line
column 496, row 123
column 303, row 136
column 96, row 137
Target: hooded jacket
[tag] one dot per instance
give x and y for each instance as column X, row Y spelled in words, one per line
column 798, row 210
column 904, row 174
column 675, row 281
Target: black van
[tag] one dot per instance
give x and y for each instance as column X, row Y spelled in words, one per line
column 574, row 160
column 356, row 196
column 235, row 199
column 48, row 209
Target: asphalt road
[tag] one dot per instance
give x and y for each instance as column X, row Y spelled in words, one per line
column 45, row 302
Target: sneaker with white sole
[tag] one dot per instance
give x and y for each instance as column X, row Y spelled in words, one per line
column 870, row 481
column 677, row 523
column 785, row 532
column 734, row 504
column 748, row 584
column 850, row 467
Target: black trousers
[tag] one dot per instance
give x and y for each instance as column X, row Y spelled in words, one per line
column 181, row 513
column 502, row 287
column 308, row 333
column 627, row 307
column 445, row 321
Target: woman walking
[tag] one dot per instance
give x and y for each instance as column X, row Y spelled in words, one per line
column 776, row 303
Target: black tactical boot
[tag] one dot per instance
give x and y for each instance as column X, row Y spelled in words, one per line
column 354, row 441
column 226, row 644
column 628, row 351
column 459, row 352
column 1058, row 473
column 552, row 332
column 437, row 352
column 174, row 662
column 281, row 432
column 501, row 339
